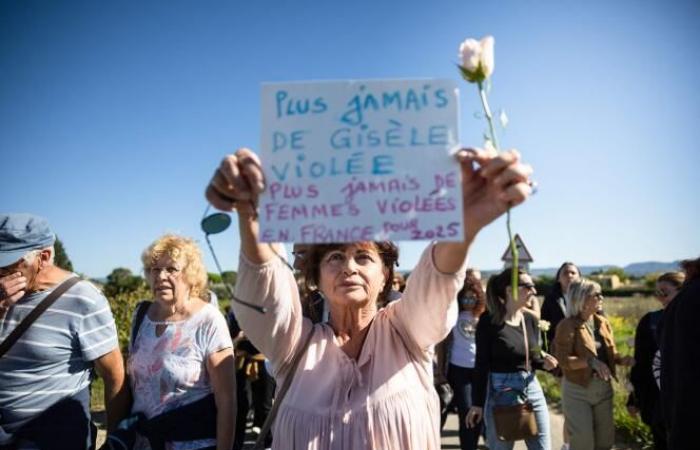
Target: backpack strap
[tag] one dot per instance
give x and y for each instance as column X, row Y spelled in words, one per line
column 141, row 310
column 36, row 312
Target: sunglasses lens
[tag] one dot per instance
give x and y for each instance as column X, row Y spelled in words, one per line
column 216, row 223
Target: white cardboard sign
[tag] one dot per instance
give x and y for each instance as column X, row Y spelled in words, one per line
column 360, row 160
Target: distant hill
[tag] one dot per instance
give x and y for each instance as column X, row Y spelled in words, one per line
column 643, row 268
column 636, row 269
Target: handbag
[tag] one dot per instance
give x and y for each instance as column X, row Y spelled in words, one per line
column 516, row 422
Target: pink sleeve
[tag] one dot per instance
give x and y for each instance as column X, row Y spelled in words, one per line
column 427, row 310
column 277, row 333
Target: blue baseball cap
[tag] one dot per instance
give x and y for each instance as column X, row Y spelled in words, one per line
column 21, row 233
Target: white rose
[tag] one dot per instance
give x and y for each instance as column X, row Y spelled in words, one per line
column 476, row 57
column 470, row 54
column 487, row 60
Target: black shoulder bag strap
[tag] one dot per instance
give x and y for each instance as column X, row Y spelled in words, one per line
column 141, row 310
column 36, row 312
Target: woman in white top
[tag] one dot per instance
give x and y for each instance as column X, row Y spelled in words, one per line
column 182, row 351
column 462, row 355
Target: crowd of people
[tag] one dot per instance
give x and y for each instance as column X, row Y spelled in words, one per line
column 339, row 352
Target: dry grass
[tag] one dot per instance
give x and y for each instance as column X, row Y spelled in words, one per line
column 631, row 308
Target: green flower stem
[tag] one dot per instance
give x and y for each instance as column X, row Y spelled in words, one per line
column 494, row 139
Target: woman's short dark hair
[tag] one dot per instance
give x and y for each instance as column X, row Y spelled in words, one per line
column 311, row 264
column 496, row 294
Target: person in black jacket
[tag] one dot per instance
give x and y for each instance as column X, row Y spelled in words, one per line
column 554, row 307
column 680, row 362
column 645, row 398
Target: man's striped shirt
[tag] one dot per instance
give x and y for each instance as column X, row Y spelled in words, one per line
column 53, row 358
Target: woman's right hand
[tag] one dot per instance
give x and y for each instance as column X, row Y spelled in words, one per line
column 237, row 183
column 474, row 416
column 600, row 368
column 235, row 186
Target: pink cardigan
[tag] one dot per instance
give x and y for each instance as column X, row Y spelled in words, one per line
column 383, row 400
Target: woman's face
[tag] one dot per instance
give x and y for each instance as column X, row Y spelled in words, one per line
column 526, row 291
column 567, row 275
column 592, row 303
column 167, row 280
column 665, row 292
column 352, row 276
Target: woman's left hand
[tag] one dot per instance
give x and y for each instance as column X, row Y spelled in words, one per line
column 499, row 182
column 550, row 362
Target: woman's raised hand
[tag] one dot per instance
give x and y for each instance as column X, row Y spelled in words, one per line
column 491, row 183
column 237, row 183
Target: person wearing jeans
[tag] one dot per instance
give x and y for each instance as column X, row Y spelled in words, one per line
column 507, row 350
column 502, row 390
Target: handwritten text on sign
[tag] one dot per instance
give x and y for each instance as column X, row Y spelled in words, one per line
column 360, row 160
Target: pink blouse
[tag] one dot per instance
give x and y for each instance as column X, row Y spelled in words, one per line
column 383, row 400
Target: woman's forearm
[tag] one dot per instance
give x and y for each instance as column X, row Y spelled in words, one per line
column 449, row 256
column 256, row 252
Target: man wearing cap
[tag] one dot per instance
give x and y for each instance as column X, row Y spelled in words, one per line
column 45, row 375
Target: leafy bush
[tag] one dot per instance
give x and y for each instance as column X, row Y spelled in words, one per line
column 123, row 306
column 122, row 281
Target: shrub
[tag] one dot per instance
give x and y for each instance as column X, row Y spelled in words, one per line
column 123, row 306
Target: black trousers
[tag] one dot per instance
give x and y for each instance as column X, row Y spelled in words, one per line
column 64, row 426
column 461, row 379
column 258, row 394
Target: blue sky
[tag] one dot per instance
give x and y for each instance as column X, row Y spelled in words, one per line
column 113, row 116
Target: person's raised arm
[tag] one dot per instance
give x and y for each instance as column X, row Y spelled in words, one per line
column 236, row 186
column 262, row 277
column 491, row 183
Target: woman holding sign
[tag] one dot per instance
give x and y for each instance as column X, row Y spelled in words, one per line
column 364, row 378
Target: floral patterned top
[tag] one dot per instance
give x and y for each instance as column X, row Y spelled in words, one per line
column 169, row 370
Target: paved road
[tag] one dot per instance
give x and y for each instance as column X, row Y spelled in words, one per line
column 450, row 435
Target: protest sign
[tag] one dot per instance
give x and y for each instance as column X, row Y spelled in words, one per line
column 360, row 160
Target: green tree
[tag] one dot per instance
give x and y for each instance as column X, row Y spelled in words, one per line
column 229, row 276
column 122, row 281
column 619, row 271
column 61, row 258
column 214, row 278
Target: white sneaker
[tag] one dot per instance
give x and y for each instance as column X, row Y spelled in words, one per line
column 565, row 447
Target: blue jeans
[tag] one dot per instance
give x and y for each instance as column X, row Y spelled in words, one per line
column 502, row 386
